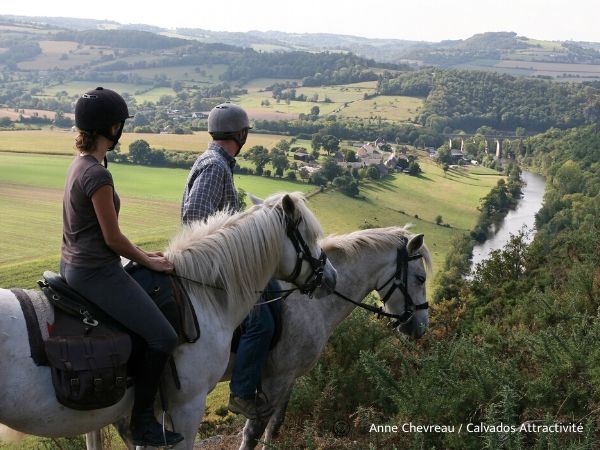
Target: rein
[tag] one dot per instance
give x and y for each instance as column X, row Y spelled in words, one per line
column 400, row 279
column 286, row 292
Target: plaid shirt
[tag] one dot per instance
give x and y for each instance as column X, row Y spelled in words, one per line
column 209, row 187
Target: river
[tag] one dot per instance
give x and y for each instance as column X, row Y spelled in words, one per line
column 523, row 215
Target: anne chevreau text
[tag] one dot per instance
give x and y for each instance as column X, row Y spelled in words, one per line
column 527, row 427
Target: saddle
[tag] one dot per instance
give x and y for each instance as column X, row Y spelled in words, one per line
column 86, row 349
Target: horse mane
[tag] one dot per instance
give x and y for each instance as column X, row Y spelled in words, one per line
column 232, row 251
column 382, row 239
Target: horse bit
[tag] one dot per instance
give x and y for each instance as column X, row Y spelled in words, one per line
column 399, row 281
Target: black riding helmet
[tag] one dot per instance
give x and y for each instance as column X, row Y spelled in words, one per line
column 98, row 110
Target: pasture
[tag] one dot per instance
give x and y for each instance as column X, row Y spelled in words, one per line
column 346, row 100
column 141, row 92
column 201, row 74
column 30, row 207
column 64, row 55
column 395, row 108
column 62, row 141
column 31, row 204
column 31, row 195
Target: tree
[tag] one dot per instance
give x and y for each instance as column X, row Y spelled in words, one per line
column 444, row 155
column 349, row 155
column 414, row 168
column 241, row 193
column 569, row 178
column 591, row 112
column 330, row 144
column 330, row 169
column 315, row 111
column 291, row 175
column 316, row 142
column 439, row 220
column 346, row 185
column 373, row 173
column 304, row 173
column 283, row 145
column 259, row 155
column 318, row 179
column 139, row 152
column 279, row 161
column 60, row 120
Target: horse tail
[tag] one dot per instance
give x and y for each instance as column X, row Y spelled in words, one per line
column 8, row 434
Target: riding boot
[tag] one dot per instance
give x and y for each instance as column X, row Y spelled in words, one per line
column 144, row 427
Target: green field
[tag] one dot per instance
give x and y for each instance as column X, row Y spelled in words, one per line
column 30, row 211
column 346, row 100
column 396, row 108
column 141, row 92
column 202, row 74
column 31, row 193
column 62, row 141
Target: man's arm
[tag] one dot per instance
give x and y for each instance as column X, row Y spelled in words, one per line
column 205, row 195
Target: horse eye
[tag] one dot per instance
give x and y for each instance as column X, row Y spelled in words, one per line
column 420, row 279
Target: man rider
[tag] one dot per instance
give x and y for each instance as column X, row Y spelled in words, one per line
column 210, row 188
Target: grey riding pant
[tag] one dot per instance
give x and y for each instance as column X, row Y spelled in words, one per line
column 117, row 294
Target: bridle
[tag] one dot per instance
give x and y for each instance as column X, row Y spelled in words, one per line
column 303, row 253
column 399, row 280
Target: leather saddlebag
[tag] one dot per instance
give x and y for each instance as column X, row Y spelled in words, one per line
column 89, row 371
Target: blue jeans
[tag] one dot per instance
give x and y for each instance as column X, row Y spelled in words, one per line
column 257, row 331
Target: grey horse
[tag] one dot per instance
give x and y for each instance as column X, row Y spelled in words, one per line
column 366, row 260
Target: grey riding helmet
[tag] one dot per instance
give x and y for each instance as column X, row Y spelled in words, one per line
column 227, row 118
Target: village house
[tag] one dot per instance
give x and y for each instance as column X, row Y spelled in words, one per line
column 301, row 156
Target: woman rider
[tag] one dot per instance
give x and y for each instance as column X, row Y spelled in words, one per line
column 93, row 243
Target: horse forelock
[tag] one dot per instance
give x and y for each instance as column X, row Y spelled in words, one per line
column 382, row 239
column 313, row 230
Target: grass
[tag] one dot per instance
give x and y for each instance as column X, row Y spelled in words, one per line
column 62, row 141
column 31, row 200
column 31, row 192
column 30, row 208
column 396, row 201
column 76, row 88
column 346, row 100
column 205, row 74
column 394, row 108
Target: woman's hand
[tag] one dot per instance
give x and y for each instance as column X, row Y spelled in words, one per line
column 159, row 264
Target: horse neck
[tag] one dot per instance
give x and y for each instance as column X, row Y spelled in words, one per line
column 231, row 312
column 356, row 278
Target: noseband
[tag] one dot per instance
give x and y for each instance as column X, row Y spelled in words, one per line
column 399, row 281
column 303, row 253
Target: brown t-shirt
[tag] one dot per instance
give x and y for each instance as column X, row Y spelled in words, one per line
column 83, row 244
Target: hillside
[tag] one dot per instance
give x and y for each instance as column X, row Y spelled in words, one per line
column 504, row 52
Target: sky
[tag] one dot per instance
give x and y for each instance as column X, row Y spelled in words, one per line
column 425, row 20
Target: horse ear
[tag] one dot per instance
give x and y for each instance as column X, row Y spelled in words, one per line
column 414, row 244
column 289, row 206
column 255, row 200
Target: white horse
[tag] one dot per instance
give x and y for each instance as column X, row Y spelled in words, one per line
column 230, row 258
column 366, row 260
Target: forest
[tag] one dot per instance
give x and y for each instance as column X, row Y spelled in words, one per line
column 467, row 100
